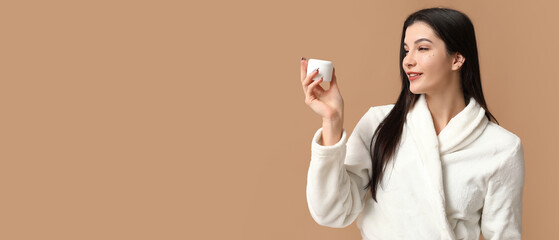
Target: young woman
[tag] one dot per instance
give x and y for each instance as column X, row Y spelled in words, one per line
column 433, row 165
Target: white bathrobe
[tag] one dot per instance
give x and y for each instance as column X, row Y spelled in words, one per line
column 467, row 179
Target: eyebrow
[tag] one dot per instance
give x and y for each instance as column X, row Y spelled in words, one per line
column 420, row 40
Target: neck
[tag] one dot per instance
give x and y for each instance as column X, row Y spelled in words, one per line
column 443, row 107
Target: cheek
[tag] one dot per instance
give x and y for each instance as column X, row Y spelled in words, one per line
column 427, row 61
column 432, row 62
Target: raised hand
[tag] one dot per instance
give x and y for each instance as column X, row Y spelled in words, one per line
column 326, row 103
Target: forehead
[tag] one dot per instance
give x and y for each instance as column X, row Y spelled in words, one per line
column 419, row 30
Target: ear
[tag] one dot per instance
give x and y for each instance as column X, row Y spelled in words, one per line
column 458, row 61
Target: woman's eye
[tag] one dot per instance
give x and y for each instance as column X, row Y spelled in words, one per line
column 423, row 49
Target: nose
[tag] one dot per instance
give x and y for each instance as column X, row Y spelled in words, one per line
column 409, row 61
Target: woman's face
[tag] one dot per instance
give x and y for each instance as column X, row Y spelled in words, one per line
column 428, row 65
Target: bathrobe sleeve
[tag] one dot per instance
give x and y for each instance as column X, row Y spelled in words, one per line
column 502, row 212
column 338, row 174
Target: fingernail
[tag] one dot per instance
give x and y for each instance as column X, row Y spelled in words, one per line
column 303, row 58
column 316, row 69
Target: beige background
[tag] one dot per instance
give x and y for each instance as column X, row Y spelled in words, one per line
column 186, row 119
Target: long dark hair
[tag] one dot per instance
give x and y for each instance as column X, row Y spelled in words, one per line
column 457, row 32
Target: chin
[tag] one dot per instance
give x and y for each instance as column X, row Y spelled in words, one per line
column 418, row 88
column 416, row 91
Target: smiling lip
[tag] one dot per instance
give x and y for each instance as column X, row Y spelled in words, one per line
column 414, row 75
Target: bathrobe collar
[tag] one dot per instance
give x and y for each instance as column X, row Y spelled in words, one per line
column 461, row 130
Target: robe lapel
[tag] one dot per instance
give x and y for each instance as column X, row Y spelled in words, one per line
column 464, row 128
column 423, row 133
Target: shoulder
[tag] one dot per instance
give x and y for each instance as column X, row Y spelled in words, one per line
column 505, row 146
column 501, row 139
column 372, row 118
column 379, row 112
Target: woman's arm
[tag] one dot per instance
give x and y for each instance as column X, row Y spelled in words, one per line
column 338, row 174
column 502, row 210
column 336, row 180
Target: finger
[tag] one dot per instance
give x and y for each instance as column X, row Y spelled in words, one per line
column 334, row 82
column 308, row 79
column 312, row 88
column 304, row 64
column 318, row 91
